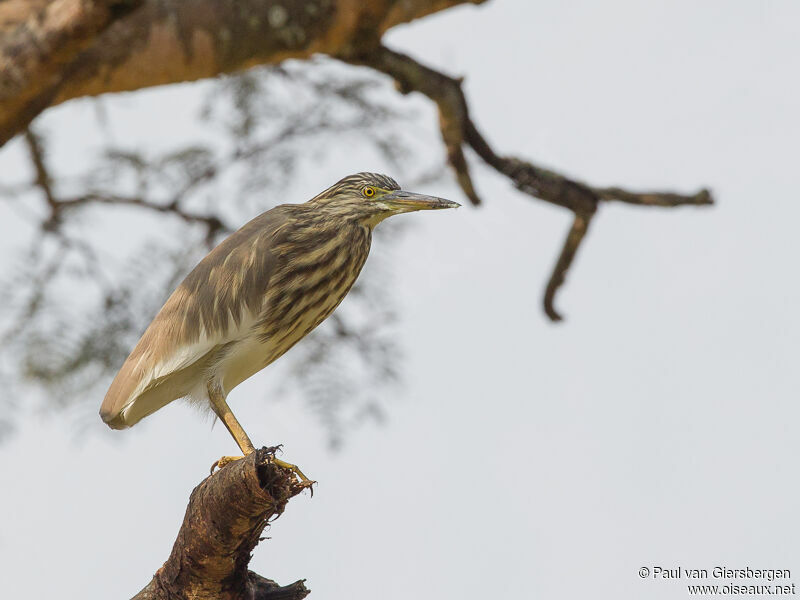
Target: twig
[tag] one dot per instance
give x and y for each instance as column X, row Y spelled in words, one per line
column 458, row 130
column 43, row 180
column 653, row 198
column 57, row 205
column 579, row 227
column 212, row 222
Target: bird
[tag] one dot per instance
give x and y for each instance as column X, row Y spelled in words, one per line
column 252, row 298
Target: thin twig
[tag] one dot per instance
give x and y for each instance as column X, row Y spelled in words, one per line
column 213, row 222
column 43, row 180
column 576, row 233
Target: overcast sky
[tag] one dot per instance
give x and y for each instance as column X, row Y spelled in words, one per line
column 655, row 427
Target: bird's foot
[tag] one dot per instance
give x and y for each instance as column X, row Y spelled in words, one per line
column 293, row 468
column 304, row 481
column 225, row 460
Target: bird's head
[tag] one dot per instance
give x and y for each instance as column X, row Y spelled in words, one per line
column 371, row 197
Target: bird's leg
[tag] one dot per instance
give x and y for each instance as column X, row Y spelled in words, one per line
column 225, row 414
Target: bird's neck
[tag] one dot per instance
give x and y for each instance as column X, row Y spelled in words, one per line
column 372, row 220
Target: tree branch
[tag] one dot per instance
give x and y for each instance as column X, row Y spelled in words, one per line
column 212, row 223
column 57, row 205
column 653, row 198
column 226, row 516
column 459, row 130
column 55, row 50
column 38, row 40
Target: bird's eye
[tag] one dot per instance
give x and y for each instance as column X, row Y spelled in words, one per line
column 368, row 191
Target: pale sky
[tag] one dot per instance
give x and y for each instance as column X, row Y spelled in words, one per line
column 522, row 459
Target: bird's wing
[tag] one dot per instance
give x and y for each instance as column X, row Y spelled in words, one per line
column 218, row 302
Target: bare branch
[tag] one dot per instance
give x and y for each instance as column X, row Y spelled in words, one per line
column 576, row 234
column 43, row 180
column 451, row 119
column 458, row 130
column 654, row 198
column 212, row 222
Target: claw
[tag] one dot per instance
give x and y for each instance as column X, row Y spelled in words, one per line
column 223, row 461
column 304, row 482
column 309, row 485
column 293, row 468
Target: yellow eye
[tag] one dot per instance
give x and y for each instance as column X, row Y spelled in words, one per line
column 368, row 191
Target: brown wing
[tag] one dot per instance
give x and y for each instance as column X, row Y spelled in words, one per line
column 217, row 302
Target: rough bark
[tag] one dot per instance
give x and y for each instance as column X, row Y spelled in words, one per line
column 226, row 516
column 52, row 51
column 39, row 41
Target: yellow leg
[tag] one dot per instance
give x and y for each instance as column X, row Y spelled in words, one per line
column 225, row 414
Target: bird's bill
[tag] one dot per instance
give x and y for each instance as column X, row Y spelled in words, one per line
column 401, row 201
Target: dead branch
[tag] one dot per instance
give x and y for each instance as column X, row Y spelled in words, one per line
column 459, row 130
column 226, row 516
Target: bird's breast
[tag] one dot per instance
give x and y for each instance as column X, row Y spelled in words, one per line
column 302, row 293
